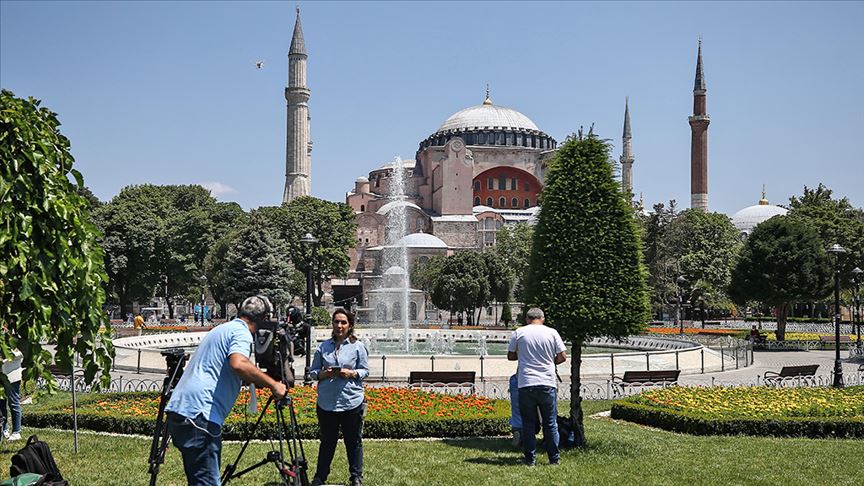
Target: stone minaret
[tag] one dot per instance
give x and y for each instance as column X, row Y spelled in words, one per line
column 627, row 153
column 298, row 148
column 699, row 140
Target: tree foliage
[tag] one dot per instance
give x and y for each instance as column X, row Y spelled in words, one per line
column 51, row 266
column 214, row 269
column 783, row 260
column 663, row 267
column 586, row 268
column 462, row 283
column 513, row 246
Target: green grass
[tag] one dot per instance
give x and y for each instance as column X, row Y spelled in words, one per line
column 618, row 453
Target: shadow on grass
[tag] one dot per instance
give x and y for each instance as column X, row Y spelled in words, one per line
column 598, row 445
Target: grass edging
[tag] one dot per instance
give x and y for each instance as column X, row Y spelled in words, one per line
column 687, row 423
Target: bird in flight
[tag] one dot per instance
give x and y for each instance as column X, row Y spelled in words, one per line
column 259, row 64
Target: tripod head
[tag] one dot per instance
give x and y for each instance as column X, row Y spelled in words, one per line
column 175, row 359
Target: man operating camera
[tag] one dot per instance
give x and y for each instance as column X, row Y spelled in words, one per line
column 209, row 387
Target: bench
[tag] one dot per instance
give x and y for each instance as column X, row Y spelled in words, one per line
column 823, row 340
column 459, row 379
column 659, row 377
column 805, row 371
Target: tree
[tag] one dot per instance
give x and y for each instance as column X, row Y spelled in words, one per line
column 51, row 266
column 93, row 202
column 586, row 268
column 513, row 245
column 783, row 260
column 256, row 262
column 334, row 226
column 214, row 269
column 663, row 267
column 462, row 283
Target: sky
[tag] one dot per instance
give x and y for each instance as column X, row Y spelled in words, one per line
column 169, row 93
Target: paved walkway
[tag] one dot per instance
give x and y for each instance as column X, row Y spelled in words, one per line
column 772, row 361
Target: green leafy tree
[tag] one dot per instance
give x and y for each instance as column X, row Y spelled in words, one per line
column 256, row 262
column 586, row 262
column 663, row 267
column 506, row 313
column 783, row 260
column 93, row 202
column 513, row 245
column 320, row 317
column 214, row 269
column 51, row 266
column 462, row 283
column 334, row 226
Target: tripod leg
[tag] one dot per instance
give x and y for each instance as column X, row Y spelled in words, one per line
column 229, row 470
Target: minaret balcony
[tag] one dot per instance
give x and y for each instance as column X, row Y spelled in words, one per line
column 699, row 118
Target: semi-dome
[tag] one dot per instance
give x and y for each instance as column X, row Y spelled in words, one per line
column 383, row 210
column 488, row 115
column 421, row 240
column 395, row 270
column 747, row 219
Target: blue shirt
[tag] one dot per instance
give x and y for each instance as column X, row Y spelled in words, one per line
column 340, row 394
column 209, row 386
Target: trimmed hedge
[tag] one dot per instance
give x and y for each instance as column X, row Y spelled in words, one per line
column 689, row 423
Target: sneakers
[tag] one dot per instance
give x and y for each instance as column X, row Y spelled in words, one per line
column 526, row 462
column 14, row 436
column 355, row 481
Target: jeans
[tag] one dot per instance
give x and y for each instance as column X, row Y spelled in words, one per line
column 13, row 397
column 544, row 398
column 351, row 423
column 200, row 443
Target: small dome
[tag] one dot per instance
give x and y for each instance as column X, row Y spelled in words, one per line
column 362, row 179
column 383, row 210
column 395, row 270
column 481, row 209
column 421, row 240
column 407, row 164
column 747, row 219
column 488, row 115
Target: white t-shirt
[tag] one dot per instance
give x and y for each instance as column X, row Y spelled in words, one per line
column 536, row 346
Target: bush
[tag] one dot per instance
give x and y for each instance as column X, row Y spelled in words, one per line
column 321, row 317
column 783, row 412
column 393, row 413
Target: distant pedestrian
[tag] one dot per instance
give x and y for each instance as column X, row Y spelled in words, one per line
column 12, row 396
column 538, row 349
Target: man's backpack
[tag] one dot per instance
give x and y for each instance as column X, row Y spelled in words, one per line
column 566, row 433
column 35, row 457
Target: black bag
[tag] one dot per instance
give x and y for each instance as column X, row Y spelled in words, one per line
column 566, row 433
column 35, row 457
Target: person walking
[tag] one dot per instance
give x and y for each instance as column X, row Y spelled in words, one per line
column 340, row 365
column 538, row 349
column 12, row 397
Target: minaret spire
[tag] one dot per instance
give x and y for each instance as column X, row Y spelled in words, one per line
column 699, row 122
column 627, row 158
column 488, row 100
column 298, row 147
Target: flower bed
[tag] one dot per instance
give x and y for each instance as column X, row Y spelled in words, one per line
column 693, row 330
column 392, row 413
column 797, row 412
column 802, row 336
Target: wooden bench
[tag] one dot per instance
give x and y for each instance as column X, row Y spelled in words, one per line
column 805, row 371
column 823, row 340
column 659, row 377
column 459, row 379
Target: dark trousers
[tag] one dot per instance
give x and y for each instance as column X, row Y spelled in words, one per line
column 351, row 424
column 200, row 444
column 544, row 398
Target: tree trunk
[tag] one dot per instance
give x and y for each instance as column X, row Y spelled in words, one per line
column 224, row 305
column 125, row 305
column 575, row 395
column 170, row 303
column 782, row 310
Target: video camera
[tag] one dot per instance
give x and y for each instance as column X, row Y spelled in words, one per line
column 276, row 345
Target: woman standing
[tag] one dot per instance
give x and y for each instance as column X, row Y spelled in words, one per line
column 340, row 365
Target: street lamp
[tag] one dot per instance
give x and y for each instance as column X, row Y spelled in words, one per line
column 856, row 301
column 311, row 243
column 837, row 250
column 678, row 283
column 203, row 287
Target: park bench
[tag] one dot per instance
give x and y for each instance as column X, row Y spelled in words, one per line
column 800, row 371
column 457, row 379
column 823, row 340
column 658, row 377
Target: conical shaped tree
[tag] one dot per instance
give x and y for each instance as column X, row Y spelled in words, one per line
column 586, row 268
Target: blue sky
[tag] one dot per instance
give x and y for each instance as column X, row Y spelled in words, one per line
column 168, row 92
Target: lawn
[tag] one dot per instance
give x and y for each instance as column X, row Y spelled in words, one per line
column 619, row 453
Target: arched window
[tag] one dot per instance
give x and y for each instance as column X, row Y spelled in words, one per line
column 514, row 203
column 527, row 203
column 527, row 187
column 397, row 311
column 502, row 182
column 489, row 201
column 477, row 201
column 381, row 312
column 362, row 208
column 476, row 185
column 412, row 311
column 423, row 260
column 502, row 202
column 513, row 184
column 490, row 183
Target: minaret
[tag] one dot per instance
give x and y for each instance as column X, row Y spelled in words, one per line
column 627, row 153
column 699, row 140
column 298, row 148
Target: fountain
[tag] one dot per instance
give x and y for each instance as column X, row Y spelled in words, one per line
column 396, row 256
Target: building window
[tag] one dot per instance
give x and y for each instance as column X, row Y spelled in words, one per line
column 381, row 312
column 489, row 201
column 362, row 208
column 476, row 200
column 397, row 311
column 502, row 182
column 412, row 311
column 423, row 260
column 489, row 311
column 377, row 181
column 527, row 187
column 514, row 203
column 490, row 183
column 513, row 184
column 502, row 203
column 476, row 185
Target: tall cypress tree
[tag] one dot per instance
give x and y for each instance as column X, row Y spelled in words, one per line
column 586, row 262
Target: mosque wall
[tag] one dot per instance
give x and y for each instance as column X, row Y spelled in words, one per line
column 457, row 234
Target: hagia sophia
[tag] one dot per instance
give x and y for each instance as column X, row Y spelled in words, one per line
column 481, row 169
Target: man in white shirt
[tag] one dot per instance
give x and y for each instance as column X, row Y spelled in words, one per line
column 538, row 348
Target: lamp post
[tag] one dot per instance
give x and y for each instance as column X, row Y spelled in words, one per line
column 837, row 250
column 856, row 301
column 311, row 243
column 678, row 283
column 702, row 310
column 203, row 287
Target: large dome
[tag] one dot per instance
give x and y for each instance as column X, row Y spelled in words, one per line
column 490, row 116
column 747, row 219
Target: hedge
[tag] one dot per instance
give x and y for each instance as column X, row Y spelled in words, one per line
column 675, row 421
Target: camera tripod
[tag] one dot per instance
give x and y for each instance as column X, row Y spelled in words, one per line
column 176, row 360
column 293, row 471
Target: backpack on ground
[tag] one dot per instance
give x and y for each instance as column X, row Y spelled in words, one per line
column 35, row 457
column 566, row 433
